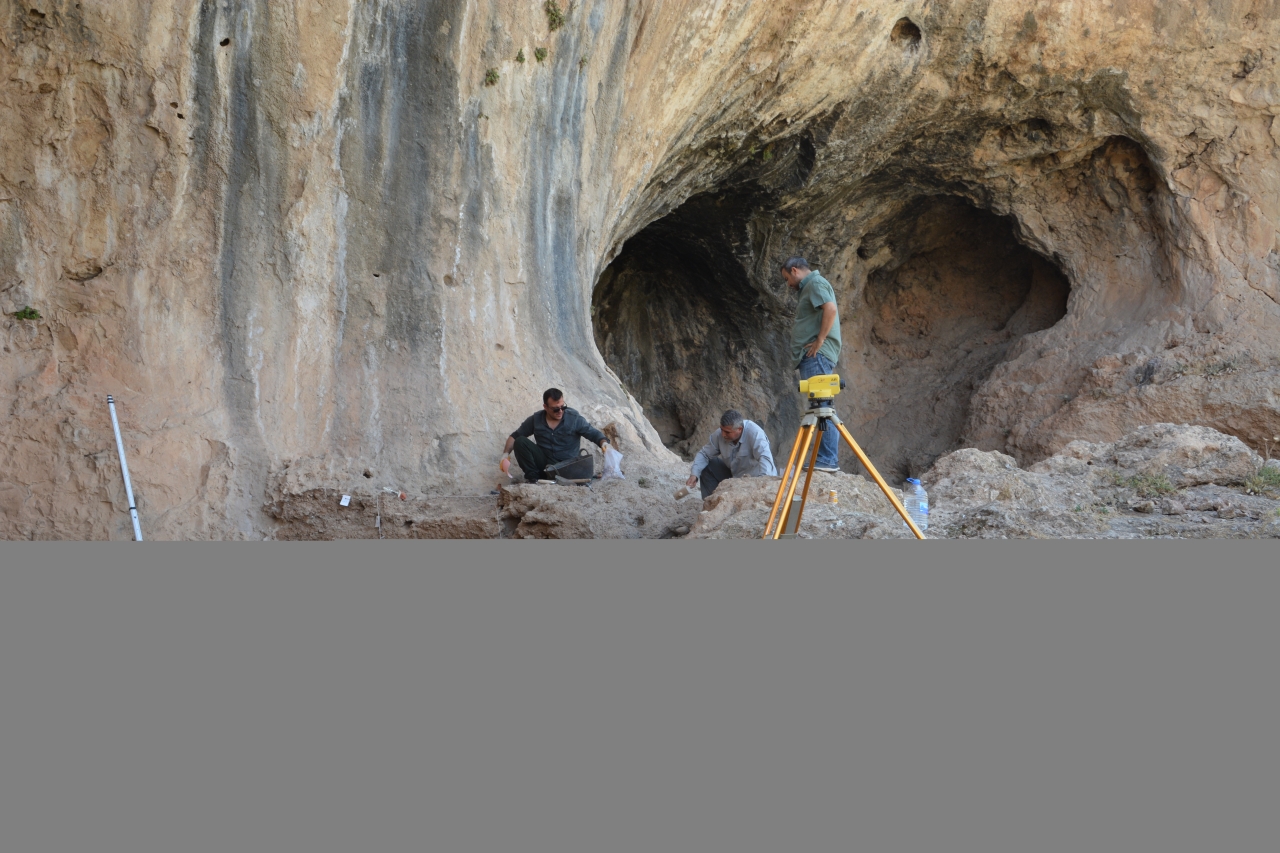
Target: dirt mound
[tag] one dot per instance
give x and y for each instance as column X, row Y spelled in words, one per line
column 640, row 508
column 739, row 509
column 1162, row 480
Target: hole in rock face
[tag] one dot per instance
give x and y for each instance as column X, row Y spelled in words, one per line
column 958, row 294
column 679, row 320
column 905, row 33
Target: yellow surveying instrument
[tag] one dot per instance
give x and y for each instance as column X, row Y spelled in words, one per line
column 820, row 390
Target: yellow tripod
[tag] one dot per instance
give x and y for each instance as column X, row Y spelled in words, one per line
column 820, row 417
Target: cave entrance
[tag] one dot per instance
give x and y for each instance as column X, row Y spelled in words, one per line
column 694, row 319
column 689, row 332
column 952, row 295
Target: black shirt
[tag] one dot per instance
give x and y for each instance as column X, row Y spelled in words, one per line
column 564, row 441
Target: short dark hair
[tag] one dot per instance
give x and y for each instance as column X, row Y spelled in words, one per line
column 796, row 261
column 731, row 418
column 552, row 394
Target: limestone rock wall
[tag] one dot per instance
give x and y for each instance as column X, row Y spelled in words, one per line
column 361, row 236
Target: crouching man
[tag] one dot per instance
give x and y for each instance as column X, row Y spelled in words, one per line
column 559, row 431
column 738, row 449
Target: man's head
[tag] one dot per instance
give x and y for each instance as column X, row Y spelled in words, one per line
column 794, row 271
column 731, row 425
column 553, row 403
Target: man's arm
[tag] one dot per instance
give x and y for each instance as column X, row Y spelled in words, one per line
column 590, row 433
column 762, row 452
column 828, row 320
column 523, row 431
column 702, row 460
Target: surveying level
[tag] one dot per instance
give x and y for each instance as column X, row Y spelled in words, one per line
column 821, row 387
column 820, row 390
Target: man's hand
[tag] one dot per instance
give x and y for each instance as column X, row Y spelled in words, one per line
column 811, row 348
column 692, row 481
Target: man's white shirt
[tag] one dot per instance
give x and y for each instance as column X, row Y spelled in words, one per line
column 749, row 456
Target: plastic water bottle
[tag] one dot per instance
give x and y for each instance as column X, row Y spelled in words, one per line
column 916, row 501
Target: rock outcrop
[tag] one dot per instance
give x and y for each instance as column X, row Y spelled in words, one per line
column 339, row 237
column 1161, row 481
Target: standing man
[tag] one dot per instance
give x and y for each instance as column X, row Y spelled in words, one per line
column 559, row 431
column 815, row 340
column 738, row 449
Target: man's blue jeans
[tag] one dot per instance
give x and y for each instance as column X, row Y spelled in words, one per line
column 820, row 365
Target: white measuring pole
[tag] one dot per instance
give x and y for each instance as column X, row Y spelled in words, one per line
column 124, row 466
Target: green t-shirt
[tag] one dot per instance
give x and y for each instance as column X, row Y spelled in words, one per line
column 815, row 291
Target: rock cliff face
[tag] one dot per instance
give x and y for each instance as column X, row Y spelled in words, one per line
column 353, row 237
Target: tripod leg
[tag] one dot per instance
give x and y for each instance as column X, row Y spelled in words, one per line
column 791, row 491
column 804, row 496
column 786, row 476
column 875, row 475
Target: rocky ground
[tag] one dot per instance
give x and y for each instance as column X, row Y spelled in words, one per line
column 1161, row 481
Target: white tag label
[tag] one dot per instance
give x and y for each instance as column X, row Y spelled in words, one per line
column 346, row 501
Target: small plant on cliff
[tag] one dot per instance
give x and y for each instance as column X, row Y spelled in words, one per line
column 491, row 76
column 27, row 313
column 555, row 17
column 582, row 63
column 1151, row 485
column 1266, row 481
column 1221, row 368
column 539, row 53
column 520, row 56
column 1146, row 485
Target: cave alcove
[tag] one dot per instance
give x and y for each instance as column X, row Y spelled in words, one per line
column 956, row 294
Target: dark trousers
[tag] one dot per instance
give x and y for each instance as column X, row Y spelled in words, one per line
column 829, row 439
column 712, row 475
column 531, row 458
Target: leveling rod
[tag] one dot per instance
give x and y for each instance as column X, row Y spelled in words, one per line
column 124, row 467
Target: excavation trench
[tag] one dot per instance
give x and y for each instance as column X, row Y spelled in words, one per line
column 694, row 320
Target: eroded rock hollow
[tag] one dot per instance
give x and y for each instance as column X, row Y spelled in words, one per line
column 336, row 243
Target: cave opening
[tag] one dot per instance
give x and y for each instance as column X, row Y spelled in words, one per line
column 689, row 330
column 905, row 32
column 693, row 318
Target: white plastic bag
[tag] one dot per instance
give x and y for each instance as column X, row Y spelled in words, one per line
column 612, row 465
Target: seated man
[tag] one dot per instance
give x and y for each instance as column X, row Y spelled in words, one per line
column 558, row 429
column 738, row 449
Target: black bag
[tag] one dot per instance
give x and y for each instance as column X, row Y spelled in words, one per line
column 582, row 467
